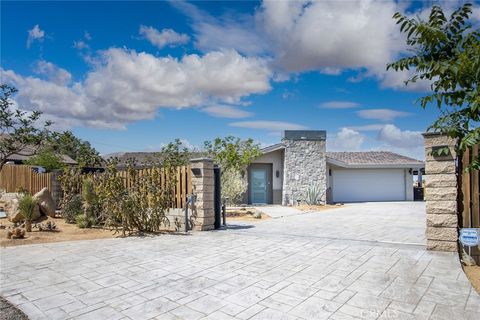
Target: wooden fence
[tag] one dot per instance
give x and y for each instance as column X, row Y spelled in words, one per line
column 469, row 191
column 183, row 182
column 16, row 177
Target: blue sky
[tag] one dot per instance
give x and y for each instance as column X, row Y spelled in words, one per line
column 131, row 76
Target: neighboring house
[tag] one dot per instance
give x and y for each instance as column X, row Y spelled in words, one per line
column 20, row 158
column 286, row 171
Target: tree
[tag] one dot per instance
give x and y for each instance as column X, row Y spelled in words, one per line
column 46, row 159
column 20, row 132
column 232, row 152
column 233, row 155
column 446, row 52
column 79, row 150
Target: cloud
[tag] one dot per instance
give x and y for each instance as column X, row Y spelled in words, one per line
column 127, row 86
column 52, row 72
column 268, row 125
column 339, row 105
column 382, row 114
column 161, row 39
column 330, row 36
column 80, row 45
column 210, row 32
column 393, row 136
column 325, row 36
column 346, row 140
column 35, row 34
column 226, row 111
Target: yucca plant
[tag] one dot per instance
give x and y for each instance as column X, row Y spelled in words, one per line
column 314, row 193
column 27, row 207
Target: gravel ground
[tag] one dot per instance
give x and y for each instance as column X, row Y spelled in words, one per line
column 9, row 312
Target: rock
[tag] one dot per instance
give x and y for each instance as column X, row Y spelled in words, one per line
column 13, row 212
column 46, row 202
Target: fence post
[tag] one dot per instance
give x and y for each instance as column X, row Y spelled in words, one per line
column 441, row 194
column 203, row 188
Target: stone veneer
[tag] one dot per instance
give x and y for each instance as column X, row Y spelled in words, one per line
column 441, row 195
column 203, row 215
column 305, row 166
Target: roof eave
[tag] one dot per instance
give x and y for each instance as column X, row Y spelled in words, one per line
column 376, row 165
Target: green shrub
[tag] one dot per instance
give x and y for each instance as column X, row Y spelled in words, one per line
column 27, row 206
column 84, row 223
column 72, row 209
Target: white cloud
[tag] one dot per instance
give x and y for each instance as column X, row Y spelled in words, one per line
column 128, row 86
column 345, row 140
column 339, row 105
column 393, row 136
column 382, row 114
column 330, row 35
column 224, row 32
column 226, row 111
column 53, row 73
column 161, row 39
column 302, row 36
column 268, row 125
column 35, row 34
column 80, row 45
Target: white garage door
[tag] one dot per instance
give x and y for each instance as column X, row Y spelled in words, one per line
column 368, row 185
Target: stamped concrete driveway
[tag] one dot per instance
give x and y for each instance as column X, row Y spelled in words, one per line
column 362, row 261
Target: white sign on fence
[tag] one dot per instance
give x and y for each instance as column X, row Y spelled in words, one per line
column 470, row 237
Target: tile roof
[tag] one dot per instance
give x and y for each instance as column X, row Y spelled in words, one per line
column 372, row 158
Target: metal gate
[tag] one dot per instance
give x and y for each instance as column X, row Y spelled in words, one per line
column 217, row 196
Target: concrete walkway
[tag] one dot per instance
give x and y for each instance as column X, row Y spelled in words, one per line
column 279, row 211
column 348, row 263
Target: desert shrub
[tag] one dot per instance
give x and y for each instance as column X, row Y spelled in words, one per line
column 71, row 183
column 129, row 201
column 72, row 209
column 27, row 207
column 314, row 195
column 234, row 186
column 88, row 197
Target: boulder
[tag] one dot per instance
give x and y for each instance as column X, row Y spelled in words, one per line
column 46, row 203
column 13, row 212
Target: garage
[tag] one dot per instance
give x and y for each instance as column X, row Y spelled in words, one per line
column 370, row 176
column 356, row 185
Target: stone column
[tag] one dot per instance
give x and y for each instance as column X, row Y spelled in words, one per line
column 304, row 166
column 203, row 216
column 441, row 194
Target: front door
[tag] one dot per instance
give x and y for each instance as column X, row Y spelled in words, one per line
column 258, row 189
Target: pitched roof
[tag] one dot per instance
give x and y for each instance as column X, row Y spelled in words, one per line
column 20, row 157
column 372, row 158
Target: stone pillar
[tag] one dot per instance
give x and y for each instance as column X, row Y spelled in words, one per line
column 203, row 216
column 441, row 194
column 304, row 166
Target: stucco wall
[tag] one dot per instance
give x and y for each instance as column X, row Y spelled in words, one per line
column 408, row 185
column 276, row 159
column 305, row 166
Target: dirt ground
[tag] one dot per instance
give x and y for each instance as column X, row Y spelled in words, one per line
column 473, row 273
column 314, row 208
column 64, row 232
column 244, row 214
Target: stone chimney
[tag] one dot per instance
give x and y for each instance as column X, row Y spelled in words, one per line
column 305, row 164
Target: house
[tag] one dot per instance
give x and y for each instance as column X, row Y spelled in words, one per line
column 287, row 171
